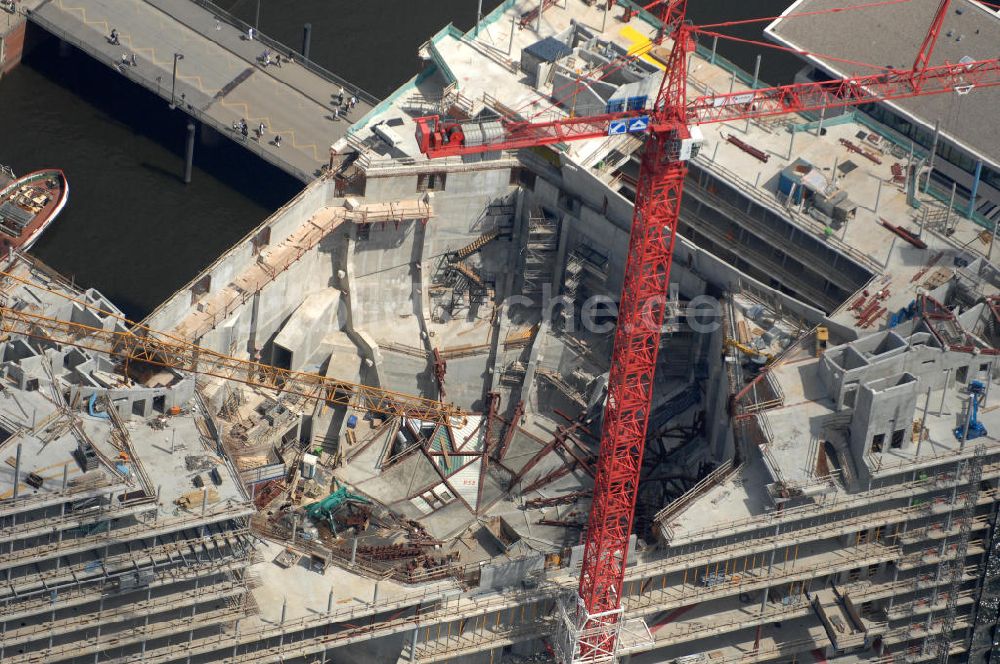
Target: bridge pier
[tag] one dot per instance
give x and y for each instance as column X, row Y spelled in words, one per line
column 306, row 39
column 189, row 152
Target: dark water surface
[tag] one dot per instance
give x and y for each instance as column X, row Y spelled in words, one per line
column 132, row 229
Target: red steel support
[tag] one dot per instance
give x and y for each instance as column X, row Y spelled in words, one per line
column 923, row 59
column 633, row 361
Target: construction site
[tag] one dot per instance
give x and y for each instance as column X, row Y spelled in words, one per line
column 492, row 390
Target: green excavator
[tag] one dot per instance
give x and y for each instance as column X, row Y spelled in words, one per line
column 323, row 510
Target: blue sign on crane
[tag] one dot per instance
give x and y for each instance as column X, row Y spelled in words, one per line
column 628, row 125
column 638, row 124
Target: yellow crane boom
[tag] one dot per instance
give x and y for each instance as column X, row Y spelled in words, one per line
column 144, row 346
column 749, row 350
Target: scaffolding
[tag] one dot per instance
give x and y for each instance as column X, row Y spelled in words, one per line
column 975, row 471
column 540, row 251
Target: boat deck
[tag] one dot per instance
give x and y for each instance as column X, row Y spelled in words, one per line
column 28, row 205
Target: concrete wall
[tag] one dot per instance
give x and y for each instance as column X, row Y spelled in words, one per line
column 843, row 369
column 883, row 406
column 603, row 219
column 278, row 298
column 11, row 41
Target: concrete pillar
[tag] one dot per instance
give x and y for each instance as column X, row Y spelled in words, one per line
column 413, row 644
column 329, row 602
column 951, row 206
column 753, row 86
column 510, row 44
column 17, row 472
column 306, row 40
column 975, row 189
column 930, row 160
column 189, row 152
column 944, row 391
column 561, row 248
column 479, row 16
column 923, row 421
column 354, row 553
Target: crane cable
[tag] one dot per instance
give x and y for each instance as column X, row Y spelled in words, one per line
column 832, row 10
column 788, row 49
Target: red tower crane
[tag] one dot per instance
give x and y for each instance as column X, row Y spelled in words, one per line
column 671, row 140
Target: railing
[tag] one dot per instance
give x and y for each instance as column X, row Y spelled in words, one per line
column 770, row 203
column 789, row 515
column 154, row 87
column 716, row 477
column 274, row 44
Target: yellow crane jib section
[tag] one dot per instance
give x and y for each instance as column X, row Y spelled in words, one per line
column 147, row 346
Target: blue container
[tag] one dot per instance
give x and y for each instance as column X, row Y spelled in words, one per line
column 352, row 421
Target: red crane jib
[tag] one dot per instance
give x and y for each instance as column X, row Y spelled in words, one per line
column 437, row 138
column 650, row 252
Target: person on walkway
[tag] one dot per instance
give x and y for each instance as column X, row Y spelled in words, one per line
column 352, row 103
column 113, row 39
column 243, row 130
column 277, row 141
column 340, row 96
column 260, row 131
column 250, row 34
column 134, row 63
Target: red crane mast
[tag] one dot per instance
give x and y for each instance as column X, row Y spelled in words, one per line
column 670, row 143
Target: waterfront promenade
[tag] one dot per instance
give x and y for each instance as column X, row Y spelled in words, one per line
column 220, row 78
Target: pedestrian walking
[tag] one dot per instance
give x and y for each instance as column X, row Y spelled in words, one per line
column 260, row 131
column 243, row 130
column 113, row 39
column 352, row 103
column 250, row 34
column 277, row 141
column 134, row 64
column 340, row 97
column 336, row 113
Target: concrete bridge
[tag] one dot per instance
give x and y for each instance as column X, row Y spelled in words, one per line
column 198, row 57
